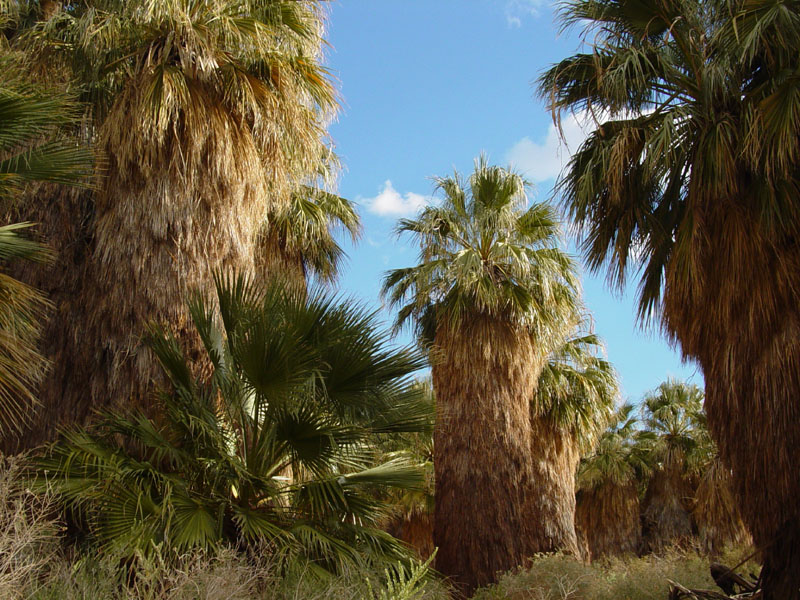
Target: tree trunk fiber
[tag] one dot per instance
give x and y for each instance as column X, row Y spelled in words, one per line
column 554, row 458
column 482, row 439
column 148, row 237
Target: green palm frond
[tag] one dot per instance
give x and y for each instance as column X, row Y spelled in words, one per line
column 484, row 250
column 278, row 444
column 577, row 388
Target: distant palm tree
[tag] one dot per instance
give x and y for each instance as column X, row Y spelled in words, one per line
column 691, row 179
column 607, row 517
column 574, row 400
column 489, row 294
column 207, row 116
column 32, row 150
column 672, row 413
column 298, row 382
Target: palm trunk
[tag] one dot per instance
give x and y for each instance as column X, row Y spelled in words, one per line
column 665, row 518
column 483, row 383
column 554, row 458
column 167, row 215
column 607, row 520
column 742, row 324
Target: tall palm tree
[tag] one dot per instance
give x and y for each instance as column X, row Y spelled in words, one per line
column 206, row 115
column 574, row 400
column 692, row 176
column 32, row 150
column 607, row 517
column 299, row 381
column 489, row 292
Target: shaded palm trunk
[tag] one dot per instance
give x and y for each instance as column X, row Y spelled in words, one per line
column 665, row 516
column 748, row 344
column 716, row 513
column 607, row 521
column 551, row 498
column 483, row 382
column 416, row 530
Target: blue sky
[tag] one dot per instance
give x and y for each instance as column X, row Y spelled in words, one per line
column 427, row 85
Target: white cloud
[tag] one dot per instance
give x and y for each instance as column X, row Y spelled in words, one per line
column 391, row 203
column 541, row 161
column 516, row 10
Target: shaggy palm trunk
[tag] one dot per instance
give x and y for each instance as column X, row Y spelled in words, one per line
column 607, row 521
column 716, row 513
column 743, row 326
column 665, row 518
column 482, row 442
column 167, row 214
column 551, row 498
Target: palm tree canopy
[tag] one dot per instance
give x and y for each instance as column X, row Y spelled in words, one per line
column 694, row 110
column 299, row 384
column 198, row 64
column 577, row 388
column 620, row 456
column 673, row 412
column 484, row 251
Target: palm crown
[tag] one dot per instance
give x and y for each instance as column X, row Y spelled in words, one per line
column 484, row 252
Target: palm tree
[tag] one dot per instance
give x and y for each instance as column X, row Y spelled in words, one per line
column 607, row 517
column 297, row 380
column 299, row 240
column 489, row 292
column 691, row 178
column 574, row 399
column 671, row 413
column 32, row 150
column 207, row 115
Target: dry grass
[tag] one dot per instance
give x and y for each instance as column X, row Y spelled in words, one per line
column 28, row 535
column 560, row 577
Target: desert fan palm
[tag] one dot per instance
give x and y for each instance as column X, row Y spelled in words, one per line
column 277, row 447
column 574, row 400
column 490, row 290
column 672, row 413
column 607, row 518
column 690, row 179
column 207, row 116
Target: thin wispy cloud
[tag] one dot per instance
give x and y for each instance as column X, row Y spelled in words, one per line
column 517, row 10
column 543, row 160
column 391, row 203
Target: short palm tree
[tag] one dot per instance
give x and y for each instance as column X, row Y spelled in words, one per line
column 32, row 150
column 277, row 445
column 207, row 115
column 574, row 399
column 490, row 290
column 672, row 413
column 690, row 179
column 607, row 517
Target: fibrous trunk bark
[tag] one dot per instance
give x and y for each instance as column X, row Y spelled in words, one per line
column 551, row 498
column 165, row 217
column 482, row 439
column 738, row 315
column 607, row 521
